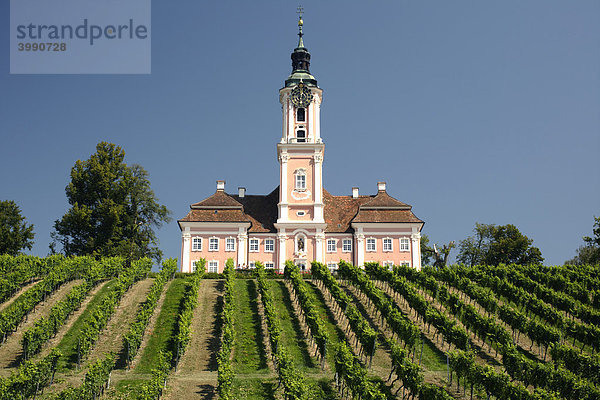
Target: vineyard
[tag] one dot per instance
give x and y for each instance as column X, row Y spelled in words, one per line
column 82, row 328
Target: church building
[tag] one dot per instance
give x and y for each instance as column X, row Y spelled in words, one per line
column 299, row 220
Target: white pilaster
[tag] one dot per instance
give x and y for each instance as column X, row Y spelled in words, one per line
column 415, row 250
column 282, row 250
column 317, row 117
column 185, row 257
column 360, row 248
column 311, row 122
column 242, row 240
column 290, row 117
column 283, row 189
column 318, row 162
column 319, row 241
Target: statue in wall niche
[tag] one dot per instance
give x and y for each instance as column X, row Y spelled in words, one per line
column 300, row 244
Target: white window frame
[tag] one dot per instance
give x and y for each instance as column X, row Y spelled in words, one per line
column 346, row 242
column 300, row 184
column 390, row 242
column 196, row 246
column 330, row 241
column 374, row 249
column 332, row 266
column 211, row 245
column 253, row 245
column 252, row 264
column 405, row 263
column 227, row 243
column 212, row 266
column 271, row 243
column 404, row 244
column 269, row 265
column 388, row 264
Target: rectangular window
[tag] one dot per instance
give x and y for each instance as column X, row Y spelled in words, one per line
column 331, row 246
column 347, row 246
column 405, row 264
column 230, row 244
column 388, row 264
column 332, row 266
column 387, row 244
column 404, row 244
column 371, row 246
column 269, row 265
column 213, row 266
column 252, row 264
column 196, row 244
column 269, row 245
column 301, row 181
column 254, row 245
column 213, row 244
column 301, row 135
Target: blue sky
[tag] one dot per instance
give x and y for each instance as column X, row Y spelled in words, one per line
column 471, row 111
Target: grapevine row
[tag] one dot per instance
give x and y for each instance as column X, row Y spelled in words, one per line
column 364, row 333
column 133, row 338
column 30, row 378
column 586, row 334
column 289, row 376
column 186, row 311
column 313, row 320
column 16, row 271
column 561, row 301
column 11, row 316
column 99, row 318
column 96, row 380
column 549, row 337
column 351, row 374
column 408, row 372
column 225, row 370
column 448, row 328
column 538, row 374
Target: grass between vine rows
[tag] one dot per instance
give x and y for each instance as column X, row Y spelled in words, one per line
column 291, row 333
column 164, row 328
column 249, row 353
column 68, row 344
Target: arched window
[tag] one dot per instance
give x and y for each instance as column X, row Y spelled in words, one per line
column 301, row 115
column 300, row 175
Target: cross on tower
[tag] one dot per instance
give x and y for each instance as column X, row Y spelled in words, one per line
column 300, row 11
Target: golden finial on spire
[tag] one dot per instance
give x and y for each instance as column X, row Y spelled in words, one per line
column 300, row 12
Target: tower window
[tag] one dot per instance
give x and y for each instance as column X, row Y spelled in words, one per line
column 301, row 115
column 301, row 135
column 301, row 180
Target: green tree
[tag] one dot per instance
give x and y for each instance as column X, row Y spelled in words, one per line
column 494, row 245
column 589, row 253
column 15, row 234
column 113, row 209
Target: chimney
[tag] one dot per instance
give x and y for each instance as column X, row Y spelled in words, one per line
column 241, row 192
column 381, row 186
column 220, row 186
column 355, row 193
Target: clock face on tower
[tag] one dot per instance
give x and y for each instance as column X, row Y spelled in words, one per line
column 301, row 96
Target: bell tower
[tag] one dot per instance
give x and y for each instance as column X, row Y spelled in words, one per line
column 300, row 153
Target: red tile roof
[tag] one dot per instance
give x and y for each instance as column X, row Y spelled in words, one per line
column 261, row 211
column 218, row 200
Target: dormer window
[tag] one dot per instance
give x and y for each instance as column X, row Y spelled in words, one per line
column 301, row 115
column 301, row 135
